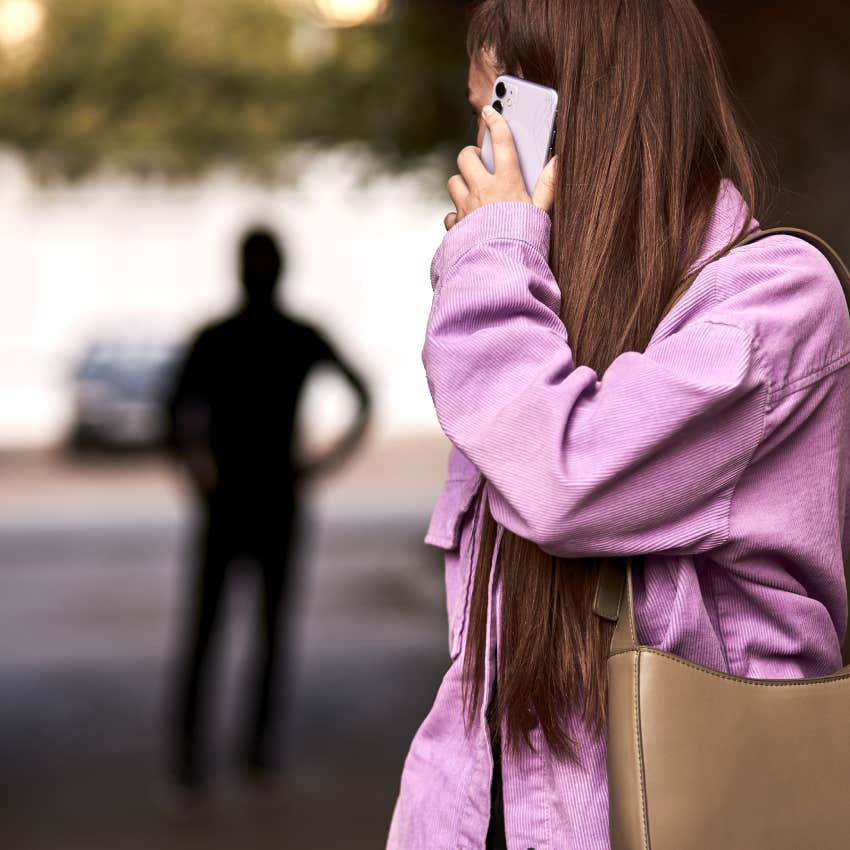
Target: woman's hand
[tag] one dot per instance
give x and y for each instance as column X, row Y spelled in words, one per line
column 475, row 186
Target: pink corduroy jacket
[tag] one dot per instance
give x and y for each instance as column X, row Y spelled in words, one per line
column 723, row 450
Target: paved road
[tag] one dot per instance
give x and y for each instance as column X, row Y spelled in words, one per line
column 88, row 614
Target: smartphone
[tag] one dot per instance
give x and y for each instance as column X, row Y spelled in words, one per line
column 531, row 111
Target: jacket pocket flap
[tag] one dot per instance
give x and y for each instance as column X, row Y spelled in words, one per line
column 458, row 492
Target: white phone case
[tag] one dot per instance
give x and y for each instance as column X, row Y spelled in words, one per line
column 530, row 110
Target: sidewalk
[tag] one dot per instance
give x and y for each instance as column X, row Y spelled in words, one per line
column 401, row 476
column 92, row 561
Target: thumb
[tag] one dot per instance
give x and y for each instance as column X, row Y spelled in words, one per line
column 544, row 191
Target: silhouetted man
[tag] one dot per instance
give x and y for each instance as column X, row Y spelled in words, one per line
column 233, row 417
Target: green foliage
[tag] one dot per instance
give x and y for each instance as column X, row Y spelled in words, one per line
column 174, row 86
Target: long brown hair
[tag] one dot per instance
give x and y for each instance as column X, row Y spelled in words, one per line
column 646, row 131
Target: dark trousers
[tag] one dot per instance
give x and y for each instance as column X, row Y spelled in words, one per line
column 266, row 535
column 496, row 839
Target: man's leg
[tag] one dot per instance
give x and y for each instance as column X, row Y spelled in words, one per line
column 206, row 585
column 272, row 664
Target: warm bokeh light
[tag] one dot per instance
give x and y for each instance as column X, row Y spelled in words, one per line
column 20, row 21
column 346, row 13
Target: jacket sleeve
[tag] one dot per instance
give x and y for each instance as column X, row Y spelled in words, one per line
column 643, row 459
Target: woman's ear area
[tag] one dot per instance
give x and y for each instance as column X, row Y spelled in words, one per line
column 480, row 82
column 482, row 78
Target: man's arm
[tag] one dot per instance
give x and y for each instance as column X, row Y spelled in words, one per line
column 348, row 442
column 188, row 410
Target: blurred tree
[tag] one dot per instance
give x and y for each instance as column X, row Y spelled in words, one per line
column 165, row 87
column 157, row 86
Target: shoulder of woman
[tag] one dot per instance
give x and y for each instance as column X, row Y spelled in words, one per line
column 785, row 293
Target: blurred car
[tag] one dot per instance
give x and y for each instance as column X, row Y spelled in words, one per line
column 120, row 389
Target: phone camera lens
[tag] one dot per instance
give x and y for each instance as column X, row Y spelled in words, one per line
column 497, row 105
column 500, row 89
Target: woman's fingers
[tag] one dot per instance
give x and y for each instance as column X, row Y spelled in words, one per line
column 475, row 186
column 544, row 191
column 504, row 147
column 471, row 168
column 458, row 190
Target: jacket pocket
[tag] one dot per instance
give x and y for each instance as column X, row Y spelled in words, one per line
column 450, row 529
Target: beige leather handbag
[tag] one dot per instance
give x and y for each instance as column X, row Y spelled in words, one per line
column 703, row 760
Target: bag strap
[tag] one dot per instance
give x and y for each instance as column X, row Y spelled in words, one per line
column 822, row 245
column 614, row 585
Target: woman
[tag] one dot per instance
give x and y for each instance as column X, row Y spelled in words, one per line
column 617, row 379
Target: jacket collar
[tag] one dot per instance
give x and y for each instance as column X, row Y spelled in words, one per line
column 727, row 218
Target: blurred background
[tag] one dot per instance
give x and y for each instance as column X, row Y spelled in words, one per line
column 138, row 139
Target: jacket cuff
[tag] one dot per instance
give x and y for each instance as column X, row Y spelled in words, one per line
column 516, row 220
